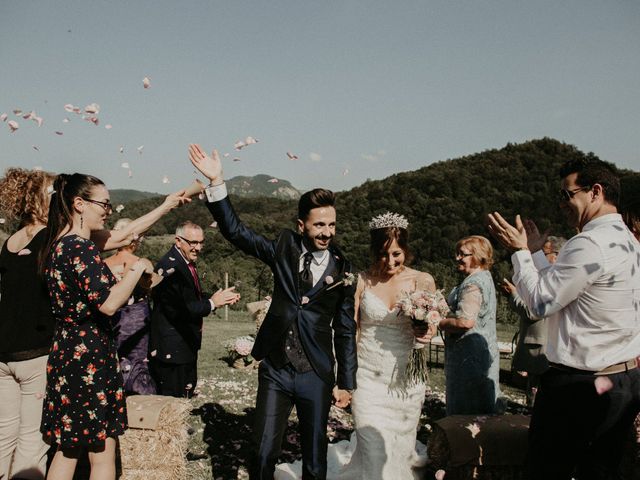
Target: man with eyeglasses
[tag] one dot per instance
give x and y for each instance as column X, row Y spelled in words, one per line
column 179, row 306
column 591, row 297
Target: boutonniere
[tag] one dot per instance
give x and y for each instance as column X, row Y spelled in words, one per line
column 348, row 280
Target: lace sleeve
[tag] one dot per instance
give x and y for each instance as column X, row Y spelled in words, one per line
column 470, row 302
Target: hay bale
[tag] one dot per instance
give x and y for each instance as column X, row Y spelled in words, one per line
column 155, row 445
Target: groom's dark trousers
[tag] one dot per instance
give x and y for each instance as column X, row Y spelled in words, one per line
column 279, row 390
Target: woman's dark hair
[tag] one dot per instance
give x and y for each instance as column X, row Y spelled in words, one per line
column 381, row 240
column 318, row 197
column 65, row 189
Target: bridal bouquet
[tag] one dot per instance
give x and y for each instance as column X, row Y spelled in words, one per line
column 424, row 308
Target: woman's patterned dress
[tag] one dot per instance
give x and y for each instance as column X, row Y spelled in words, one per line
column 84, row 402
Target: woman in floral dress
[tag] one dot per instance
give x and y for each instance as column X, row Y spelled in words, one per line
column 84, row 406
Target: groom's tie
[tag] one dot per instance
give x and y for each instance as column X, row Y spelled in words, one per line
column 306, row 278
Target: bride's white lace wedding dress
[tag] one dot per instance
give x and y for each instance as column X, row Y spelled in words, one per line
column 386, row 411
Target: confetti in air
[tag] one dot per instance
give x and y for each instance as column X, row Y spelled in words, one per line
column 345, row 172
column 108, row 126
column 58, row 132
column 13, row 125
column 125, row 165
column 119, row 208
column 140, row 148
column 121, row 148
column 146, row 83
column 35, row 147
column 65, row 120
column 165, row 179
column 292, row 156
column 92, row 109
column 273, row 180
column 240, row 144
column 3, row 117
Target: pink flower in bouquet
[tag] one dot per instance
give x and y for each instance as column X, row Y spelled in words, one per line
column 243, row 346
column 433, row 317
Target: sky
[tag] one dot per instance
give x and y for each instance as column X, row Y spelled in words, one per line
column 355, row 89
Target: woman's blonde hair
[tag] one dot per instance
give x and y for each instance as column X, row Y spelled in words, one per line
column 480, row 249
column 24, row 196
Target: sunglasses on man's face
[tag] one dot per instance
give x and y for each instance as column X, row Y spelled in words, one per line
column 566, row 195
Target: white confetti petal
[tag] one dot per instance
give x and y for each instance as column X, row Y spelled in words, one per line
column 35, row 147
column 108, row 126
column 92, row 109
column 3, row 117
column 130, row 174
column 315, row 157
column 213, row 224
column 250, row 140
column 154, row 353
column 140, row 148
column 170, row 271
column 65, row 120
column 119, row 208
column 273, row 180
column 168, row 355
column 2, row 220
column 225, row 155
column 17, row 112
column 28, row 116
column 292, row 156
column 38, row 120
column 165, row 179
column 345, row 172
column 13, row 125
column 69, row 108
column 39, row 169
column 146, row 83
column 125, row 165
column 239, row 145
column 172, row 259
column 122, row 149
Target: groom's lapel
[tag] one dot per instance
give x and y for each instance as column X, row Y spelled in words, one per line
column 294, row 262
column 331, row 270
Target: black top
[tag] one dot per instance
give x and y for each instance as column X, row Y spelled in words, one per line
column 26, row 321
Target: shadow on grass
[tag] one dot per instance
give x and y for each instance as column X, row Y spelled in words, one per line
column 229, row 439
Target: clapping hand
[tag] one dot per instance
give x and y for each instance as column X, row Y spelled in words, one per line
column 512, row 237
column 209, row 166
column 535, row 239
column 225, row 297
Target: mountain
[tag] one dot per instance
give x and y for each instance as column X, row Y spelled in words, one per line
column 262, row 186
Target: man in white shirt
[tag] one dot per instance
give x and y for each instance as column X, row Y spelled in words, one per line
column 591, row 297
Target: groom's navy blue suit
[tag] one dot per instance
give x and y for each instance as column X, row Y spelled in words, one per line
column 324, row 319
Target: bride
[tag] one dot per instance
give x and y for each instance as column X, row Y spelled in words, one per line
column 386, row 408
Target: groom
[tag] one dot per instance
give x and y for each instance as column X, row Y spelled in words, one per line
column 313, row 294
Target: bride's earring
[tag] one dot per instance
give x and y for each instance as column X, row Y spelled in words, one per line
column 81, row 222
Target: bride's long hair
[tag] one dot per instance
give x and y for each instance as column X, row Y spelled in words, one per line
column 381, row 240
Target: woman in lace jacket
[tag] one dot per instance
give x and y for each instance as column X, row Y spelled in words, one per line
column 472, row 359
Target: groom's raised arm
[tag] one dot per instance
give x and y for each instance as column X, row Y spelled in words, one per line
column 223, row 213
column 234, row 230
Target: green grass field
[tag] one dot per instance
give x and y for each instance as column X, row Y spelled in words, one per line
column 222, row 415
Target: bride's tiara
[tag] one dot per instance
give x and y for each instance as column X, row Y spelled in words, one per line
column 387, row 220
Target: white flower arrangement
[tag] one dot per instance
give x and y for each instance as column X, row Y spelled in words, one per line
column 240, row 347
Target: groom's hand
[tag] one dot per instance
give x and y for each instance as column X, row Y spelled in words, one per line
column 341, row 398
column 209, row 166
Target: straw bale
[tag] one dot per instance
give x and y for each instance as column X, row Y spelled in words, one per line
column 160, row 453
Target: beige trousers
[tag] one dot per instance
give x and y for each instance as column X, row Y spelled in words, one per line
column 23, row 453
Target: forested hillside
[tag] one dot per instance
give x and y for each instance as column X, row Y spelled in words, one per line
column 443, row 202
